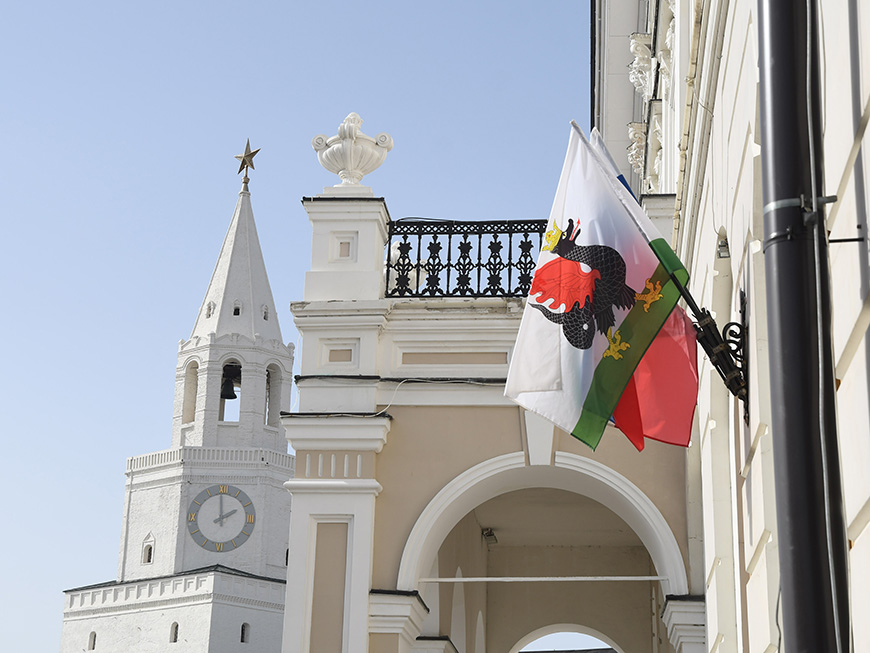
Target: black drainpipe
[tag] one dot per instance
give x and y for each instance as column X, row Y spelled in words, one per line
column 810, row 518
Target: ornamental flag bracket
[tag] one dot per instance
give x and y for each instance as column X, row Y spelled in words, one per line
column 726, row 350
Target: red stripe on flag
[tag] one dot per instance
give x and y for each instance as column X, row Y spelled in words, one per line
column 659, row 401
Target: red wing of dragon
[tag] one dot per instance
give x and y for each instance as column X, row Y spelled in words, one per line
column 565, row 282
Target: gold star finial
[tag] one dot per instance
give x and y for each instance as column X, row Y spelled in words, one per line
column 246, row 161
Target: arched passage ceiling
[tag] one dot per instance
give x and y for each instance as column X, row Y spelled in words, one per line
column 551, row 517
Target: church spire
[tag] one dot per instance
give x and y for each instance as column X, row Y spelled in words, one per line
column 233, row 374
column 239, row 298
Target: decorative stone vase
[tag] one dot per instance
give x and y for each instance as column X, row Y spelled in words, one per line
column 351, row 154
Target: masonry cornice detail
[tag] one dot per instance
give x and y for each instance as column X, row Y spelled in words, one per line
column 445, row 394
column 477, row 305
column 211, row 457
column 330, row 210
column 236, row 341
column 336, row 433
column 686, row 621
column 73, row 614
column 275, row 480
column 333, row 486
column 400, row 614
column 178, row 590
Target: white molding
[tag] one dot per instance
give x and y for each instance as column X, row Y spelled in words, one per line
column 433, row 646
column 397, row 614
column 686, row 623
column 325, row 433
column 572, row 473
column 217, row 457
column 442, row 394
column 333, row 486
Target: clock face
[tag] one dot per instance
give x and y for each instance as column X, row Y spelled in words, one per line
column 221, row 518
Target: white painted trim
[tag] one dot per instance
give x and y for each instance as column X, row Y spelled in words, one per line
column 336, row 433
column 849, row 166
column 686, row 622
column 333, row 486
column 573, row 473
column 397, row 614
column 859, row 524
column 856, row 338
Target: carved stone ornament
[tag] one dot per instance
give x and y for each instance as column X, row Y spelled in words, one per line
column 637, row 147
column 639, row 70
column 665, row 57
column 654, row 153
column 351, row 154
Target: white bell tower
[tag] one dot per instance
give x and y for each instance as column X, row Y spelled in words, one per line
column 204, row 543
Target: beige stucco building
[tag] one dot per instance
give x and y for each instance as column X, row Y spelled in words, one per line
column 431, row 514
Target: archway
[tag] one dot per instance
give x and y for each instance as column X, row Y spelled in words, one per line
column 572, row 473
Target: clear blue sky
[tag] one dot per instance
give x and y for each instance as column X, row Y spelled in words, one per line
column 119, row 124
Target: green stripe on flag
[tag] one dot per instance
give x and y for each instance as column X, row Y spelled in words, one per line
column 611, row 376
column 669, row 259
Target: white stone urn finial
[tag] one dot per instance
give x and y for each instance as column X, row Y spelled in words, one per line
column 351, row 154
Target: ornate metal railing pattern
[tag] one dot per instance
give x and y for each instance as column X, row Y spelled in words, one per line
column 435, row 258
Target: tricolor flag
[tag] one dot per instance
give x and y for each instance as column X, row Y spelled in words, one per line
column 601, row 295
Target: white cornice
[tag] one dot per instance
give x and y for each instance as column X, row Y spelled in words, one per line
column 336, row 433
column 168, row 592
column 686, row 623
column 333, row 486
column 211, row 457
column 400, row 614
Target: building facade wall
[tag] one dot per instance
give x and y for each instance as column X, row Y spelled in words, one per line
column 208, row 607
column 404, row 432
column 714, row 146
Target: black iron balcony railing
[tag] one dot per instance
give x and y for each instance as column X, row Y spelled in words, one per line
column 436, row 258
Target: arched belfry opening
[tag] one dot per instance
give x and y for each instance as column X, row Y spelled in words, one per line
column 191, row 389
column 272, row 411
column 231, row 392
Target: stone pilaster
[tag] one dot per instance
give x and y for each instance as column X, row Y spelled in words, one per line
column 318, row 504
